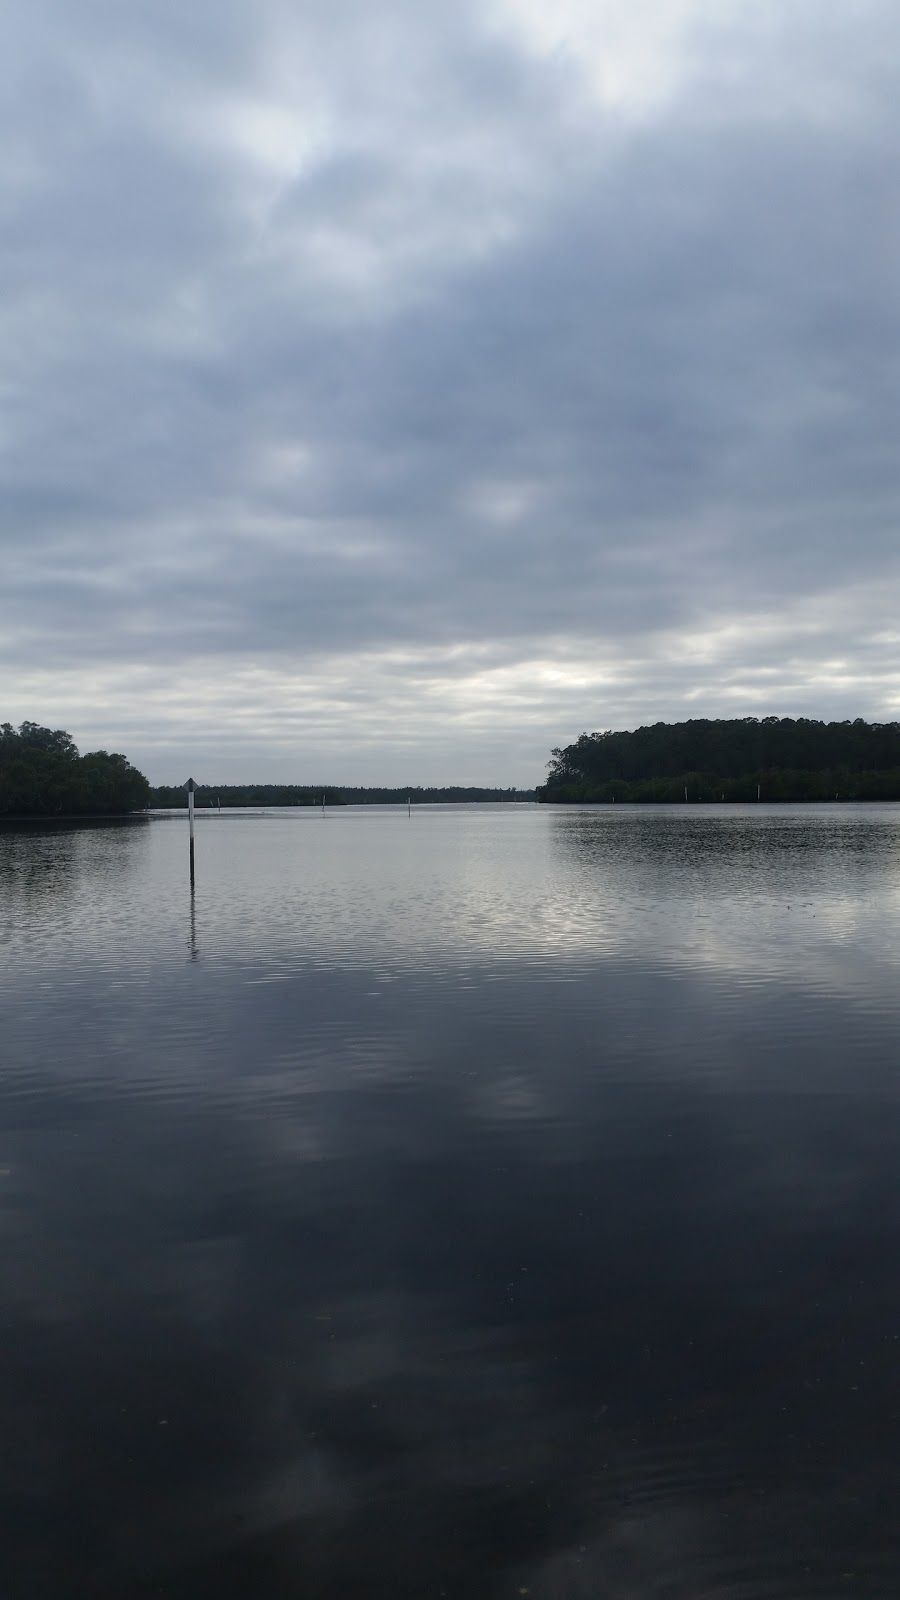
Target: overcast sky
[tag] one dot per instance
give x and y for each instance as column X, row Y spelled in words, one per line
column 391, row 391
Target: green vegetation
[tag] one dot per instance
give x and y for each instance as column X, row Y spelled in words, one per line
column 296, row 794
column 42, row 775
column 784, row 758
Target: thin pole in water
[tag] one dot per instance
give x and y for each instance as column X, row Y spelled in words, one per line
column 757, row 794
column 409, row 805
column 685, row 796
column 323, row 805
column 190, row 789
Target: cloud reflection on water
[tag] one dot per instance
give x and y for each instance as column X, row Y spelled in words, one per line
column 474, row 1256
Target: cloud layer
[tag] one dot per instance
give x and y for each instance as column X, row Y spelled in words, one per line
column 396, row 391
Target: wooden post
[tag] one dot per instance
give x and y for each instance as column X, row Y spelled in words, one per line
column 190, row 786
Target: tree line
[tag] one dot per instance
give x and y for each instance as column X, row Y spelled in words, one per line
column 296, row 794
column 43, row 775
column 743, row 758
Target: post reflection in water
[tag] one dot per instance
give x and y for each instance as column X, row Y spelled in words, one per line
column 193, row 916
column 503, row 1205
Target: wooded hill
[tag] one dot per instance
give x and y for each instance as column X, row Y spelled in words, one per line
column 42, row 775
column 783, row 758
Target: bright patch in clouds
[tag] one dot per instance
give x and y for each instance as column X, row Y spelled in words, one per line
column 632, row 56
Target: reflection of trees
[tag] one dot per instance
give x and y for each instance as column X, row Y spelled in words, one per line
column 686, row 854
column 42, row 864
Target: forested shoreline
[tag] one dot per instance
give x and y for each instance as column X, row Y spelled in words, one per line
column 42, row 774
column 737, row 759
column 295, row 794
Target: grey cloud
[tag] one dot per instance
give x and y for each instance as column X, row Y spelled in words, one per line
column 450, row 356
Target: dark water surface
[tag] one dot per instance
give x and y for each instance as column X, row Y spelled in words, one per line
column 499, row 1201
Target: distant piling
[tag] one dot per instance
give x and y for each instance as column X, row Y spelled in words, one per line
column 409, row 805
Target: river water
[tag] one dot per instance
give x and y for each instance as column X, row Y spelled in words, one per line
column 496, row 1201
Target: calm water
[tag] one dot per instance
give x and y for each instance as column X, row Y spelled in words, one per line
column 499, row 1201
